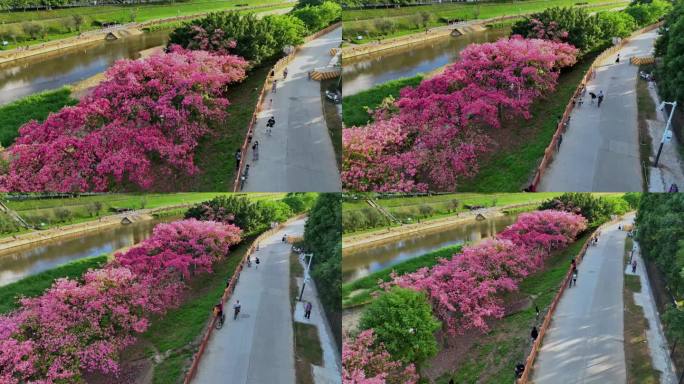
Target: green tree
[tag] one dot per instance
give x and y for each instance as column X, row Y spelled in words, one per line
column 572, row 25
column 300, row 201
column 616, row 24
column 323, row 238
column 319, row 17
column 670, row 46
column 648, row 13
column 673, row 319
column 254, row 40
column 660, row 232
column 287, row 30
column 595, row 209
column 402, row 319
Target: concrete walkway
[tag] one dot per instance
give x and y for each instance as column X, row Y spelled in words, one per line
column 600, row 150
column 585, row 342
column 299, row 155
column 331, row 371
column 258, row 346
column 657, row 344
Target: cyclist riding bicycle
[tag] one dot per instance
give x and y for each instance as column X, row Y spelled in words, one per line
column 218, row 312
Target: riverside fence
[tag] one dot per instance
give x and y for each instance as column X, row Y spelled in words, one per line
column 563, row 123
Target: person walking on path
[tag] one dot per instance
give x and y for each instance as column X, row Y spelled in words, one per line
column 275, row 86
column 574, row 277
column 307, row 310
column 617, row 60
column 534, row 334
column 285, row 73
column 236, row 309
column 600, row 98
column 634, row 265
column 257, row 261
column 255, row 151
column 238, row 156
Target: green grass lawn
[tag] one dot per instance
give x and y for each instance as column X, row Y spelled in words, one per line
column 364, row 20
column 360, row 292
column 646, row 110
column 493, row 357
column 56, row 20
column 354, row 106
column 216, row 155
column 35, row 285
column 34, row 107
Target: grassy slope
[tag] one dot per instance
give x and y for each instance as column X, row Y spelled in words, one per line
column 121, row 14
column 637, row 357
column 464, row 11
column 492, row 359
column 354, row 106
column 35, row 285
column 332, row 119
column 646, row 111
column 364, row 287
column 34, row 107
column 216, row 154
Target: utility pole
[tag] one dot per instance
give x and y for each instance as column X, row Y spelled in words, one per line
column 306, row 274
column 667, row 135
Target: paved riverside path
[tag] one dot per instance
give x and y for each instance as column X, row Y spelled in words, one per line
column 585, row 342
column 258, row 346
column 600, row 149
column 299, row 155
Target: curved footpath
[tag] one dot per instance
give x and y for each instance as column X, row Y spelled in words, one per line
column 299, row 155
column 585, row 342
column 600, row 150
column 258, row 346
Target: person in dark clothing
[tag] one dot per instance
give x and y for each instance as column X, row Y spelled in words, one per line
column 534, row 334
column 519, row 369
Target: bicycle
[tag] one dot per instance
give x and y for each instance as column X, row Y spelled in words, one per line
column 220, row 321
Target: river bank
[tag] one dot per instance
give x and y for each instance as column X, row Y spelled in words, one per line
column 11, row 243
column 375, row 238
column 116, row 32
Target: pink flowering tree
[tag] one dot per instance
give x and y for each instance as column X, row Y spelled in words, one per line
column 139, row 128
column 542, row 232
column 440, row 128
column 176, row 252
column 84, row 325
column 465, row 290
column 364, row 361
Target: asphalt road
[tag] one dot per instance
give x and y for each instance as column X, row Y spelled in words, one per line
column 298, row 156
column 585, row 342
column 258, row 346
column 600, row 150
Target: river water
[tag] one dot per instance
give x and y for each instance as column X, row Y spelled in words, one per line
column 33, row 75
column 27, row 261
column 363, row 72
column 363, row 262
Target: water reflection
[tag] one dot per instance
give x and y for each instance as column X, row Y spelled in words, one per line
column 30, row 76
column 366, row 71
column 361, row 263
column 23, row 262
